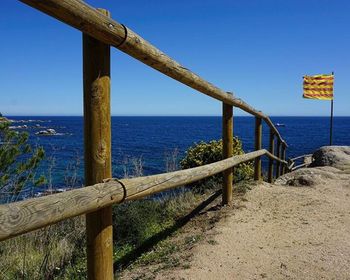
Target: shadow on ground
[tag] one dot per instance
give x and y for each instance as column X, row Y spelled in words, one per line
column 154, row 240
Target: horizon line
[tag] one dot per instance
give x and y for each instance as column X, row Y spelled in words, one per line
column 249, row 116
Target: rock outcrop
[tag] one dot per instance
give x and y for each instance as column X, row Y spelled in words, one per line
column 329, row 163
column 336, row 156
column 4, row 120
column 47, row 132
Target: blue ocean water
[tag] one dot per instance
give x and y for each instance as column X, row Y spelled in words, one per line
column 151, row 139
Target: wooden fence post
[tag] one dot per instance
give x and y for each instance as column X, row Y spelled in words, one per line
column 271, row 149
column 278, row 154
column 283, row 166
column 227, row 149
column 258, row 145
column 97, row 146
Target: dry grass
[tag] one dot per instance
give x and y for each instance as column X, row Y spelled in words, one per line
column 58, row 251
column 43, row 253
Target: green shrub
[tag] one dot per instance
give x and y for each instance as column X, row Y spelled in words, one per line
column 208, row 152
column 137, row 221
column 18, row 163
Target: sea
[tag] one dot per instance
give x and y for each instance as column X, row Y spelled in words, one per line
column 153, row 142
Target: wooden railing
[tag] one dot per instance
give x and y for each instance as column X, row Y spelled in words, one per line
column 305, row 161
column 24, row 216
column 99, row 33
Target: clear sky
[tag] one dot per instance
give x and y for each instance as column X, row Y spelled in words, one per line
column 258, row 49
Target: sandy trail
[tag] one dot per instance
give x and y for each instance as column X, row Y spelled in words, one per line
column 280, row 232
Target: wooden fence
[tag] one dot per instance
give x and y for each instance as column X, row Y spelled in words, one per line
column 99, row 33
column 306, row 160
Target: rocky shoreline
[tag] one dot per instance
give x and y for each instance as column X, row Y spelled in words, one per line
column 4, row 120
column 31, row 124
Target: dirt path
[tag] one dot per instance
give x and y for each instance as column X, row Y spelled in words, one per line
column 282, row 232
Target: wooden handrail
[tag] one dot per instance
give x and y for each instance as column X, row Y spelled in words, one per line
column 291, row 164
column 275, row 131
column 293, row 160
column 85, row 18
column 101, row 32
column 300, row 157
column 299, row 166
column 273, row 157
column 24, row 216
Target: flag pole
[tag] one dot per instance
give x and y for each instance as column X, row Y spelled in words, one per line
column 331, row 124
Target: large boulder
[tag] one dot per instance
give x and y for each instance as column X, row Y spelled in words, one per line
column 336, row 156
column 329, row 163
column 309, row 177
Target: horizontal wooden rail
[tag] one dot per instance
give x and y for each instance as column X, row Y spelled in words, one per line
column 300, row 157
column 24, row 216
column 275, row 158
column 291, row 165
column 275, row 131
column 299, row 166
column 85, row 18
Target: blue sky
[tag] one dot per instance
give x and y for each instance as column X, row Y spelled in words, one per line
column 258, row 49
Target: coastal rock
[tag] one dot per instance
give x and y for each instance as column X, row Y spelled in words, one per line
column 19, row 127
column 308, row 177
column 336, row 156
column 47, row 132
column 4, row 120
column 330, row 163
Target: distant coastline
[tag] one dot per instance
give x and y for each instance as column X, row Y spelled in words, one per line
column 165, row 116
column 4, row 119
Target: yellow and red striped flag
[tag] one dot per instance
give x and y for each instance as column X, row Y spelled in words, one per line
column 318, row 87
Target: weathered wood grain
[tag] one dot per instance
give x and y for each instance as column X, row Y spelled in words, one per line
column 299, row 166
column 274, row 129
column 278, row 154
column 299, row 157
column 144, row 186
column 24, row 216
column 80, row 15
column 291, row 165
column 97, row 152
column 227, row 151
column 258, row 145
column 271, row 159
column 283, row 157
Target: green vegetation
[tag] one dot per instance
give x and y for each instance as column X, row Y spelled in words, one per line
column 140, row 229
column 208, row 152
column 18, row 163
column 44, row 253
column 58, row 251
